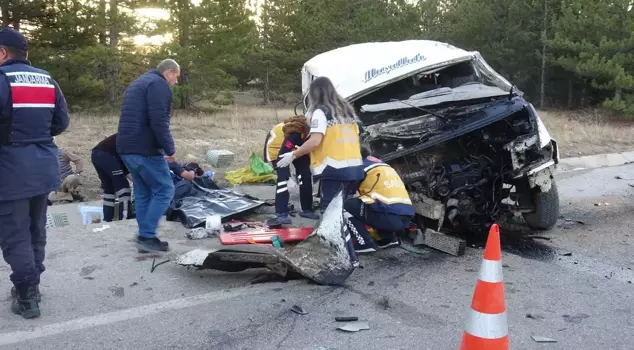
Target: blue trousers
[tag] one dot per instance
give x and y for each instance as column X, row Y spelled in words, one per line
column 113, row 182
column 153, row 190
column 23, row 238
column 328, row 189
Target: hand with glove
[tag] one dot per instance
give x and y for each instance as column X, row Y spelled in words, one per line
column 285, row 159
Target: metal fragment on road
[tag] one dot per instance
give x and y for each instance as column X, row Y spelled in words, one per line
column 355, row 326
column 540, row 339
column 298, row 310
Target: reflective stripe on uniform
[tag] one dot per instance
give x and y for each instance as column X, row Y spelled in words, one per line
column 372, row 197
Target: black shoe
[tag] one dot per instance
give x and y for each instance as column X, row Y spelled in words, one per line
column 147, row 245
column 25, row 303
column 14, row 293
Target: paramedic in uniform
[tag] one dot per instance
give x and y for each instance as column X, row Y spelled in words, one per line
column 284, row 138
column 33, row 111
column 333, row 143
column 382, row 203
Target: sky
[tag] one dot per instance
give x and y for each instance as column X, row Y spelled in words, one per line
column 157, row 14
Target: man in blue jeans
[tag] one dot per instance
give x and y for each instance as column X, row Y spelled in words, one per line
column 145, row 145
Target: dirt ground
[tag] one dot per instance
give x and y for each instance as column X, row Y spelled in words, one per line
column 242, row 129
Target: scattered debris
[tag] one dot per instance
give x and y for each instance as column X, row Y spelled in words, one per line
column 197, row 233
column 233, row 226
column 566, row 254
column 371, row 283
column 346, row 318
column 154, row 266
column 539, row 237
column 631, row 185
column 298, row 310
column 534, row 317
column 100, row 229
column 354, row 326
column 540, row 339
column 89, row 278
column 618, row 177
column 134, row 284
column 87, row 270
column 600, row 204
column 117, row 291
column 575, row 319
column 213, row 224
column 384, row 302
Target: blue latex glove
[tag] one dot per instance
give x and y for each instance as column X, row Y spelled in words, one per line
column 285, row 160
column 209, row 173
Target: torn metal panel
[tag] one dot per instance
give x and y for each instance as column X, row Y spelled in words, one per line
column 322, row 257
column 518, row 148
column 542, row 179
column 443, row 95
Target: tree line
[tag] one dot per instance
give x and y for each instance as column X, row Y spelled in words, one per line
column 565, row 53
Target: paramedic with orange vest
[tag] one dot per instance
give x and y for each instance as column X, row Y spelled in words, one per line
column 282, row 139
column 382, row 203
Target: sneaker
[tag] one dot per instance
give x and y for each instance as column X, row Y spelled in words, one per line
column 147, row 245
column 308, row 214
column 388, row 242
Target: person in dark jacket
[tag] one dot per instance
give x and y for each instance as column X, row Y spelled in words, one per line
column 143, row 142
column 113, row 175
column 33, row 111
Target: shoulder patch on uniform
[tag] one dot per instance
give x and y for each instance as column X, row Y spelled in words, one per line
column 314, row 123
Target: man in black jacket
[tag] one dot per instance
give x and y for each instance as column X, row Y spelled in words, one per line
column 143, row 142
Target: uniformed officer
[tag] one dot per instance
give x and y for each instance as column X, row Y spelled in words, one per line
column 284, row 138
column 33, row 111
column 382, row 203
column 333, row 143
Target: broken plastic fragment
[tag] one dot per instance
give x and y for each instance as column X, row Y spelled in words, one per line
column 354, row 326
column 346, row 318
column 540, row 339
column 298, row 310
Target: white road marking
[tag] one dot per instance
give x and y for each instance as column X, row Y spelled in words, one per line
column 122, row 315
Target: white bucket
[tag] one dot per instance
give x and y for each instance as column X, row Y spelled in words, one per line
column 90, row 214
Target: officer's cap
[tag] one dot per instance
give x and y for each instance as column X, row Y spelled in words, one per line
column 10, row 37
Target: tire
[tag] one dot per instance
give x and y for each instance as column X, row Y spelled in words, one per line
column 546, row 209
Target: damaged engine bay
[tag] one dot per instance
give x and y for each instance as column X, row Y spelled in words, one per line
column 460, row 161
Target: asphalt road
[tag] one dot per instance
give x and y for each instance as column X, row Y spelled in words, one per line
column 575, row 288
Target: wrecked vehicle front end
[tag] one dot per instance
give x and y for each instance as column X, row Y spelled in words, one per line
column 466, row 164
column 468, row 146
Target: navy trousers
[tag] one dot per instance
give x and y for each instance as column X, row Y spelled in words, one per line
column 23, row 238
column 328, row 189
column 385, row 224
column 304, row 178
column 113, row 182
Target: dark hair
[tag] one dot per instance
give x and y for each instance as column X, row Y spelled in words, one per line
column 365, row 151
column 323, row 93
column 15, row 53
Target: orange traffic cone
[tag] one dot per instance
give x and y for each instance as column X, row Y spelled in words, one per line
column 486, row 326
